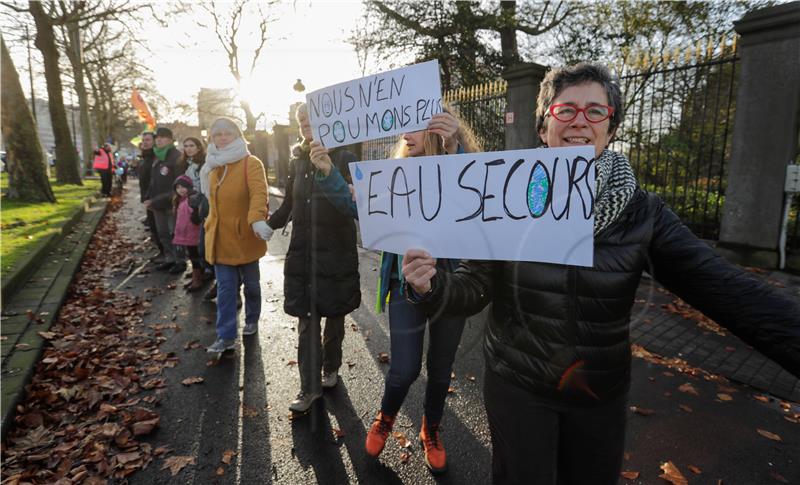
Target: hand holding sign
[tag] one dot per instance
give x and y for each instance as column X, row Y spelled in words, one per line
column 446, row 126
column 320, row 158
column 418, row 269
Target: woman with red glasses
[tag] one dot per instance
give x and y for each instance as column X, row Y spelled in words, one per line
column 558, row 358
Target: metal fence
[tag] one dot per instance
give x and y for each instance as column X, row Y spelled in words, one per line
column 482, row 107
column 678, row 127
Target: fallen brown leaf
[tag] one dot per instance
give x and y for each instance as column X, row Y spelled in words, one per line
column 249, row 412
column 383, row 357
column 292, row 362
column 672, row 474
column 768, row 435
column 145, row 427
column 47, row 335
column 401, row 439
column 405, row 456
column 220, row 471
column 337, row 433
column 630, row 475
column 227, row 456
column 688, row 388
column 192, row 380
column 694, row 470
column 177, row 463
column 642, row 411
column 724, row 397
column 685, row 408
column 778, row 477
column 759, row 397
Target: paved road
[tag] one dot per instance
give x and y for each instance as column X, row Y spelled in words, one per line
column 242, row 403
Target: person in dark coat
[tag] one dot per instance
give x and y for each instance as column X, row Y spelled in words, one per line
column 143, row 172
column 321, row 270
column 557, row 343
column 445, row 133
column 159, row 197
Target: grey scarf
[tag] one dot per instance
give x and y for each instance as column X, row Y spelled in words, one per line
column 616, row 184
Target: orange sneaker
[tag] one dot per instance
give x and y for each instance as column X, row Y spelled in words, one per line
column 432, row 446
column 378, row 433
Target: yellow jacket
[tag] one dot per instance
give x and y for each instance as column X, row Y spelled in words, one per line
column 235, row 202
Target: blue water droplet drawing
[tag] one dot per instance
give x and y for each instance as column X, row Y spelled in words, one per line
column 359, row 175
column 338, row 131
column 538, row 190
column 387, row 122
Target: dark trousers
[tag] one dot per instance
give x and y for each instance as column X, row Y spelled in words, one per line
column 151, row 226
column 192, row 253
column 407, row 325
column 313, row 355
column 536, row 441
column 105, row 182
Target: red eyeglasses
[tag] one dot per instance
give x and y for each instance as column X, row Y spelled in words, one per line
column 594, row 113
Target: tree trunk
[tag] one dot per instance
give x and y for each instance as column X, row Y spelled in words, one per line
column 250, row 120
column 66, row 157
column 27, row 178
column 75, row 55
column 508, row 34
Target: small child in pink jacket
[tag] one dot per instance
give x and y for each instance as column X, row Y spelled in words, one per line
column 187, row 229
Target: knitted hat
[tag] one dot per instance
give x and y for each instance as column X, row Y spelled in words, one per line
column 183, row 180
column 227, row 124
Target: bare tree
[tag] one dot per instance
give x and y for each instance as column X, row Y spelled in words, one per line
column 27, row 177
column 66, row 156
column 461, row 35
column 226, row 22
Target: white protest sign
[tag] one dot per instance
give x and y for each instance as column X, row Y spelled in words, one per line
column 385, row 104
column 519, row 205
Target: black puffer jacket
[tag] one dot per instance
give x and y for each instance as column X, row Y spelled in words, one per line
column 162, row 176
column 321, row 267
column 562, row 332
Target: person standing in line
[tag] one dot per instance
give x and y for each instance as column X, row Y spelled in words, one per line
column 445, row 134
column 190, row 164
column 159, row 197
column 104, row 164
column 187, row 229
column 236, row 228
column 557, row 340
column 143, row 172
column 321, row 269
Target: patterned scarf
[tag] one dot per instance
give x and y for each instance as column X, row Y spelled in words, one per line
column 616, row 184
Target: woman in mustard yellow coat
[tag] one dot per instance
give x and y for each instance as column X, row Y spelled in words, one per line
column 236, row 228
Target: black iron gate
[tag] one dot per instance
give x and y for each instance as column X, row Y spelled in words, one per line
column 677, row 133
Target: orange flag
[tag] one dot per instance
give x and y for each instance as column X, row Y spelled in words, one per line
column 142, row 110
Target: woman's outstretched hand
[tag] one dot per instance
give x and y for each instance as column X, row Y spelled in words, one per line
column 446, row 126
column 418, row 269
column 320, row 158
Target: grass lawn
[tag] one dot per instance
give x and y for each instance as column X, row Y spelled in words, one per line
column 24, row 224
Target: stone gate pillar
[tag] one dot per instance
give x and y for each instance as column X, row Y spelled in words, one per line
column 765, row 134
column 523, row 88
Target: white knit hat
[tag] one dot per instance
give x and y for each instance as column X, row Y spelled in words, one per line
column 223, row 123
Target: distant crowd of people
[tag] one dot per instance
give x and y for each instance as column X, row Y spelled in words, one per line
column 557, row 343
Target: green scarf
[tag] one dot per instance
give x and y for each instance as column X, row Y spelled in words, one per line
column 161, row 153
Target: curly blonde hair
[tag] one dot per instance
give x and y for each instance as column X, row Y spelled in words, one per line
column 433, row 142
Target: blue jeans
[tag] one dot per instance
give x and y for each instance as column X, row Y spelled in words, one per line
column 229, row 280
column 407, row 332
